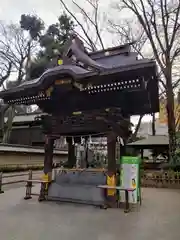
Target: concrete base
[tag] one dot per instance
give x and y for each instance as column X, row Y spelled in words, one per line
column 86, row 194
column 78, row 187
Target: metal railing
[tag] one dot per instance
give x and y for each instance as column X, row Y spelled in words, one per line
column 4, row 176
column 159, row 179
column 10, row 182
column 21, row 165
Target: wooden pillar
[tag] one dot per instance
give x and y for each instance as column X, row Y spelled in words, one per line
column 142, row 153
column 48, row 166
column 71, row 153
column 111, row 175
column 30, row 134
column 86, row 153
column 48, row 157
column 111, row 148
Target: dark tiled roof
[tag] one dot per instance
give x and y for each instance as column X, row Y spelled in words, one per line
column 151, row 141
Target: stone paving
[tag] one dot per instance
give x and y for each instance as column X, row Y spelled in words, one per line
column 158, row 219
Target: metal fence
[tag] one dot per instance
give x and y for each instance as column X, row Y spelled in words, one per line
column 2, row 177
column 158, row 179
column 7, row 179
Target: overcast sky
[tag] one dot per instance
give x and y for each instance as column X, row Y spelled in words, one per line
column 47, row 10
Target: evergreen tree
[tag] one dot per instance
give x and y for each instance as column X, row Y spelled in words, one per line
column 51, row 40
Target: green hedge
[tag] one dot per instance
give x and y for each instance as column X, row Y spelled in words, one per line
column 8, row 169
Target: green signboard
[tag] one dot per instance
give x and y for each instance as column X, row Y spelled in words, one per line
column 130, row 178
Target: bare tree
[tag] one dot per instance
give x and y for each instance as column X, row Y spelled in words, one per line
column 89, row 23
column 159, row 20
column 5, row 70
column 128, row 31
column 16, row 47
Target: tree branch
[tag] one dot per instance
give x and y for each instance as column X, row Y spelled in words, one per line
column 145, row 24
column 165, row 21
column 133, row 136
column 95, row 22
column 6, row 76
column 176, row 25
column 79, row 23
column 126, row 32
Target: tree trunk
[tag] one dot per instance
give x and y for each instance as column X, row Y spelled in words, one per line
column 134, row 135
column 86, row 153
column 71, row 153
column 48, row 156
column 8, row 125
column 28, row 63
column 171, row 118
column 153, row 125
column 153, row 134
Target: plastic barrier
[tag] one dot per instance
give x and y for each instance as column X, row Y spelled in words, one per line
column 78, row 186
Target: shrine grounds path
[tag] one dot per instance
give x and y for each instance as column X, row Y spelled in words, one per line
column 158, row 219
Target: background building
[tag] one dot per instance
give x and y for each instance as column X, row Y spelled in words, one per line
column 146, row 129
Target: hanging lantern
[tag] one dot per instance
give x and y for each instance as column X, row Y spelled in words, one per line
column 121, row 141
column 90, row 140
